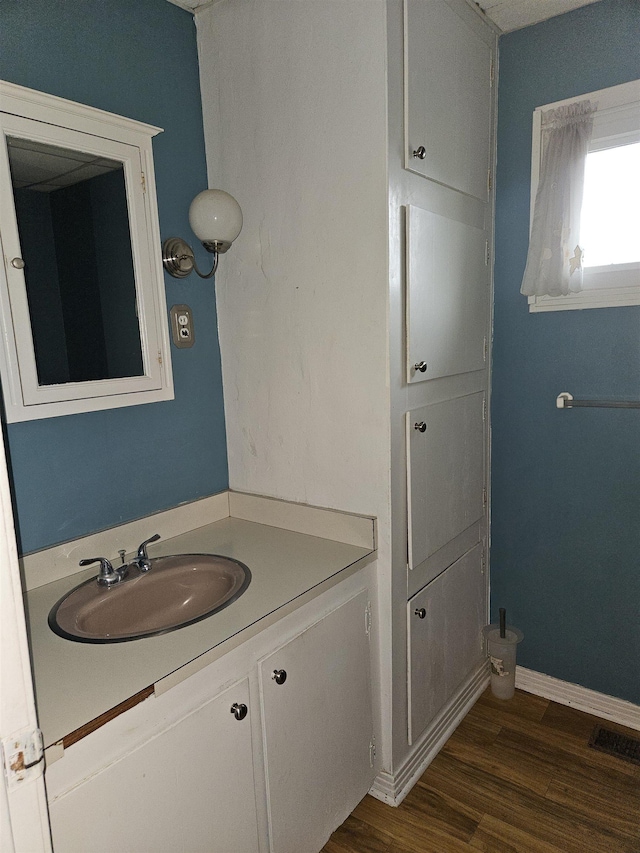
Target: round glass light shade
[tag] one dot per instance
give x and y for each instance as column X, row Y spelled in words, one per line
column 215, row 218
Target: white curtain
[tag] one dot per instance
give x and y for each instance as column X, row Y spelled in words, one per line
column 554, row 260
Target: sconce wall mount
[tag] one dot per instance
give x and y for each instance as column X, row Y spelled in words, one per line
column 216, row 220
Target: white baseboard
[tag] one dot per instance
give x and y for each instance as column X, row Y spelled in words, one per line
column 392, row 788
column 599, row 704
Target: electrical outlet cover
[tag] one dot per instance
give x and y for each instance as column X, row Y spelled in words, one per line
column 182, row 332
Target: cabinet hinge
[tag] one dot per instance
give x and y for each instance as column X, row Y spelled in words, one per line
column 23, row 756
column 484, row 498
column 492, row 70
column 372, row 752
column 487, row 250
column 367, row 619
column 484, row 399
column 484, row 358
column 489, row 180
column 160, row 357
column 143, row 181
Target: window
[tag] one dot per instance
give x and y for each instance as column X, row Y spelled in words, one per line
column 610, row 222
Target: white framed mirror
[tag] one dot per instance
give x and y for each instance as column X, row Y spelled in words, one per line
column 82, row 299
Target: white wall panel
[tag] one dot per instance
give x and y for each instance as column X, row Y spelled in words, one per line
column 295, row 123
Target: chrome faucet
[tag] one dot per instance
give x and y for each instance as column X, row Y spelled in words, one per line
column 107, row 576
column 142, row 560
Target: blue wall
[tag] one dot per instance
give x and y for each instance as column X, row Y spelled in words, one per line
column 565, row 557
column 77, row 474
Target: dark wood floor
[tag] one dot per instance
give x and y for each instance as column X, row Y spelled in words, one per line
column 516, row 776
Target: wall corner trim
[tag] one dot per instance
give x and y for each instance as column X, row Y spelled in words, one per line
column 590, row 701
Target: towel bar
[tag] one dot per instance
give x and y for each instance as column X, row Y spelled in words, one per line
column 566, row 401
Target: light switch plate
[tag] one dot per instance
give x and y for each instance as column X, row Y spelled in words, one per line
column 182, row 331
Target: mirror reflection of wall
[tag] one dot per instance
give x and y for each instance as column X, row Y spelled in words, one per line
column 72, row 210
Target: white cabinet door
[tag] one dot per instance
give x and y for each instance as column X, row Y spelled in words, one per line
column 447, row 296
column 189, row 790
column 317, row 728
column 445, row 473
column 448, row 95
column 445, row 637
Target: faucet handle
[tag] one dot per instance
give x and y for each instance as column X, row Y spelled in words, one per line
column 142, row 550
column 142, row 560
column 107, row 575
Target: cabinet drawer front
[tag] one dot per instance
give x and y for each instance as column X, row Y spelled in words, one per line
column 445, row 624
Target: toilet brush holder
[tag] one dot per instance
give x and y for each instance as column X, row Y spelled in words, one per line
column 502, row 654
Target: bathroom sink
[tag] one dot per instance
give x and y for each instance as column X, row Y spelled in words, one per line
column 175, row 592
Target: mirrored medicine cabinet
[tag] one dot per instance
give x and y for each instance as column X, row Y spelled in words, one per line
column 82, row 301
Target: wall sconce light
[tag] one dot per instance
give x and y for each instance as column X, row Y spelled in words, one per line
column 216, row 220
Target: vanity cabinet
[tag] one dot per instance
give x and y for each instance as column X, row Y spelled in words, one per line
column 188, row 788
column 265, row 764
column 315, row 693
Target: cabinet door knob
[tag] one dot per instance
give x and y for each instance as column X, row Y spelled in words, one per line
column 420, row 612
column 421, row 366
column 239, row 710
column 279, row 676
column 420, row 153
column 18, row 263
column 420, row 426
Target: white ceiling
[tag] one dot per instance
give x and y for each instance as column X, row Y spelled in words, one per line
column 46, row 168
column 511, row 15
column 508, row 15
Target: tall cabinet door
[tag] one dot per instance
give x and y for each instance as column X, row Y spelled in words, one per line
column 445, row 637
column 448, row 80
column 446, row 470
column 447, row 295
column 316, row 701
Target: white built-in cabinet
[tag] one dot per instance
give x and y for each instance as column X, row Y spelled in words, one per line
column 448, row 91
column 273, row 762
column 393, row 331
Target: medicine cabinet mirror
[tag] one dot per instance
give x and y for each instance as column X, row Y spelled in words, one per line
column 82, row 300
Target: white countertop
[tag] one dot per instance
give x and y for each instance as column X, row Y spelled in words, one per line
column 76, row 682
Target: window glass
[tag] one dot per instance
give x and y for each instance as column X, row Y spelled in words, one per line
column 610, row 225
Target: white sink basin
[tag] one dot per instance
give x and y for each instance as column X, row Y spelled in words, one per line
column 175, row 592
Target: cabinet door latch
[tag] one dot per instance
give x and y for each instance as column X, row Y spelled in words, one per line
column 372, row 752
